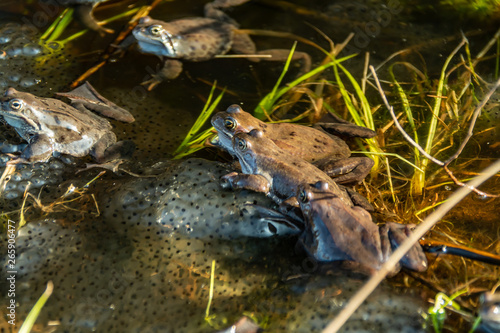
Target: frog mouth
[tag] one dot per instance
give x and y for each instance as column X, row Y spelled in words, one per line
column 163, row 45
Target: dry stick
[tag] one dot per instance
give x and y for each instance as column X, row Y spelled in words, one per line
column 422, row 228
column 421, row 150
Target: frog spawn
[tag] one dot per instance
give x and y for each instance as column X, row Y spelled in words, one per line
column 187, row 200
column 27, row 63
column 134, row 272
column 36, row 176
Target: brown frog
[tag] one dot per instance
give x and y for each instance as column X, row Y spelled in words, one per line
column 197, row 39
column 51, row 126
column 327, row 152
column 269, row 169
column 335, row 231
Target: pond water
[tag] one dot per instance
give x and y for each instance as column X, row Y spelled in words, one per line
column 137, row 255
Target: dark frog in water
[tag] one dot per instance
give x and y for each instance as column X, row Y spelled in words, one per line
column 51, row 126
column 196, row 39
column 328, row 152
column 336, row 231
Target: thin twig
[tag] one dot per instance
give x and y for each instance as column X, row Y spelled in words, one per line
column 473, row 122
column 422, row 228
column 397, row 124
column 421, row 150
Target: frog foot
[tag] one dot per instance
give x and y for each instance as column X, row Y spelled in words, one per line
column 152, row 83
column 171, row 69
column 392, row 235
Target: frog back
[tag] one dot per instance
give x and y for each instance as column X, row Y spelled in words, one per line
column 199, row 39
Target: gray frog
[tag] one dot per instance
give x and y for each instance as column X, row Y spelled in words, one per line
column 51, row 126
column 197, row 39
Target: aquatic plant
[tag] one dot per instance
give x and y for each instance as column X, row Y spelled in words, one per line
column 35, row 311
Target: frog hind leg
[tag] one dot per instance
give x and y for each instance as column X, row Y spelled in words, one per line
column 345, row 129
column 349, row 170
column 103, row 152
column 282, row 55
column 357, row 199
column 83, row 13
column 243, row 44
column 213, row 10
column 387, row 248
column 171, row 69
column 86, row 97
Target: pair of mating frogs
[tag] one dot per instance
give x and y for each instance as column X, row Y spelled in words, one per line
column 275, row 159
column 52, row 127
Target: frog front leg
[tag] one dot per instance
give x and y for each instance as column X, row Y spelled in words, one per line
column 171, row 69
column 8, row 148
column 39, row 149
column 235, row 181
column 243, row 44
column 349, row 170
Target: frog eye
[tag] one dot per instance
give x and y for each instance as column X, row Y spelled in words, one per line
column 303, row 196
column 155, row 30
column 242, row 144
column 16, row 104
column 230, row 123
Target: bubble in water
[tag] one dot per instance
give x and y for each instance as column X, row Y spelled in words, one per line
column 5, row 39
column 32, row 50
column 14, row 77
column 28, row 82
column 13, row 51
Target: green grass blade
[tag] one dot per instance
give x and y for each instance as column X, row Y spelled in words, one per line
column 68, row 12
column 265, row 106
column 365, row 106
column 61, row 25
column 196, row 144
column 409, row 114
column 389, row 154
column 419, row 179
column 202, row 118
column 269, row 99
column 33, row 315
column 111, row 19
column 367, row 120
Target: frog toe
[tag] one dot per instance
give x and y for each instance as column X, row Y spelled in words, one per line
column 415, row 258
column 152, row 83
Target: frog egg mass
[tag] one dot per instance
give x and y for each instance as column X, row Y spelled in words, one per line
column 148, row 258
